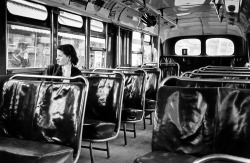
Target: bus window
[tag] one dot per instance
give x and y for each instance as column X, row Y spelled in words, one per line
column 219, row 47
column 27, row 47
column 69, row 19
column 136, row 49
column 97, row 44
column 190, row 47
column 27, row 9
column 147, row 57
column 67, row 36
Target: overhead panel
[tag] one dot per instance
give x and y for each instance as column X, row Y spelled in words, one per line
column 99, row 7
column 115, row 12
column 78, row 4
column 130, row 18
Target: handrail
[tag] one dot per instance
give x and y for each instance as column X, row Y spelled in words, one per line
column 229, row 72
column 203, row 80
column 213, row 157
column 217, row 74
column 47, row 77
column 222, row 67
column 186, row 74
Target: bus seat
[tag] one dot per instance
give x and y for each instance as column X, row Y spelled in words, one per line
column 103, row 109
column 40, row 121
column 152, row 83
column 193, row 122
column 133, row 100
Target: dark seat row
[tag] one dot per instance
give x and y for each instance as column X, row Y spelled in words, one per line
column 192, row 122
column 104, row 99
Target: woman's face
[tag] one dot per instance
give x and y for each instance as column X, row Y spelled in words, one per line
column 62, row 59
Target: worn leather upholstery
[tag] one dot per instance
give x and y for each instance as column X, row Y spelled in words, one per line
column 40, row 121
column 198, row 122
column 134, row 96
column 102, row 110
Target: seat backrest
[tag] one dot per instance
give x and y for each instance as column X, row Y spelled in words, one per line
column 202, row 121
column 134, row 91
column 105, row 97
column 152, row 83
column 169, row 69
column 43, row 111
column 184, row 120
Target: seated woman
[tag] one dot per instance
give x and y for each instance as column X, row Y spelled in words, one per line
column 66, row 60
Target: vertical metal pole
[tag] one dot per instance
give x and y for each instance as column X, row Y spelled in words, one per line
column 87, row 43
column 106, row 45
column 159, row 41
column 119, row 47
column 54, row 34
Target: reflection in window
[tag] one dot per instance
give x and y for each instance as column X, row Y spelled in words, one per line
column 69, row 19
column 219, row 47
column 27, row 9
column 78, row 41
column 190, row 47
column 27, row 47
column 136, row 49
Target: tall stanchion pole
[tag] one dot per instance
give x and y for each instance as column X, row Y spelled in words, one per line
column 159, row 41
column 119, row 49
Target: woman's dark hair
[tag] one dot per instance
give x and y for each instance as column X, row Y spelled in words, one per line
column 69, row 50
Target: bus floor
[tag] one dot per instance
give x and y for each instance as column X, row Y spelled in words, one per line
column 118, row 152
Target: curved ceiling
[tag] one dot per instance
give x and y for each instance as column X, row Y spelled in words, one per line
column 177, row 17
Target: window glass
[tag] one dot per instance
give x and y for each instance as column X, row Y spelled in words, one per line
column 27, row 47
column 97, row 45
column 190, row 47
column 76, row 40
column 27, row 9
column 97, row 52
column 219, row 47
column 147, row 57
column 69, row 19
column 96, row 26
column 136, row 49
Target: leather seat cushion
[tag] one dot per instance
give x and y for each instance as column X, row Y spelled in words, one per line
column 130, row 114
column 150, row 105
column 19, row 151
column 165, row 157
column 96, row 129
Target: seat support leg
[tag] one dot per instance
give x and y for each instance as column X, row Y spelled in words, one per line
column 144, row 122
column 151, row 118
column 125, row 135
column 134, row 130
column 91, row 153
column 108, row 153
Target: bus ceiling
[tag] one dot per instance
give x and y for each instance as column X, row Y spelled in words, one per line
column 176, row 17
